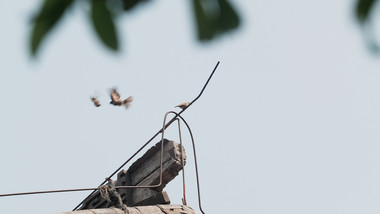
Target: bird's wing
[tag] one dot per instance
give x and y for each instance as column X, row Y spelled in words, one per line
column 128, row 100
column 114, row 95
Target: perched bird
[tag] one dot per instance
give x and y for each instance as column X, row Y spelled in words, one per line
column 115, row 99
column 183, row 105
column 95, row 101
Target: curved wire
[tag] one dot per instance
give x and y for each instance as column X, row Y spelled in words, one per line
column 204, row 87
column 184, row 202
column 195, row 159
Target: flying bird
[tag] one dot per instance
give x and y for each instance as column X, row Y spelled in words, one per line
column 95, row 101
column 116, row 101
column 183, row 105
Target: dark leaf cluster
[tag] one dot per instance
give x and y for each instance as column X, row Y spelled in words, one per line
column 212, row 17
column 364, row 9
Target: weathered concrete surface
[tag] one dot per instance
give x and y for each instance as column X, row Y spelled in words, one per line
column 158, row 209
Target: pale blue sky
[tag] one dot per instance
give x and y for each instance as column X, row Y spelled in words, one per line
column 289, row 123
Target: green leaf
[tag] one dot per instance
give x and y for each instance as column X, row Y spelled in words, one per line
column 228, row 18
column 129, row 4
column 363, row 9
column 102, row 20
column 49, row 14
column 214, row 17
column 204, row 22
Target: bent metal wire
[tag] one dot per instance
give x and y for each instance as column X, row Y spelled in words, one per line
column 162, row 130
column 195, row 162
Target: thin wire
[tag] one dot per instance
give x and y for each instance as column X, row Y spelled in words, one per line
column 50, row 191
column 195, row 163
column 204, row 87
column 195, row 160
column 182, row 164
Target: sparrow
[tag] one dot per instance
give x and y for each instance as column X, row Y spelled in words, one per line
column 95, row 101
column 183, row 105
column 116, row 101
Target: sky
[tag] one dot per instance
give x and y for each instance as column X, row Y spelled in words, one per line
column 288, row 124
